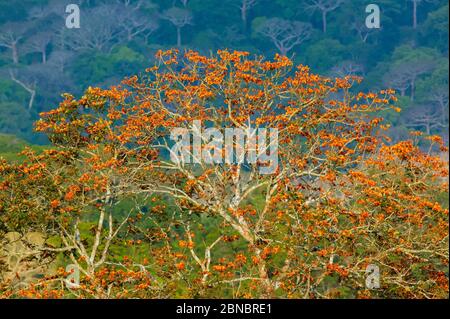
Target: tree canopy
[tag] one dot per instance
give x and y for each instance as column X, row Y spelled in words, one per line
column 108, row 199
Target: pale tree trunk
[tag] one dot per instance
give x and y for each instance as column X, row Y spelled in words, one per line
column 244, row 17
column 414, row 14
column 444, row 113
column 324, row 21
column 413, row 84
column 31, row 89
column 402, row 92
column 15, row 53
column 178, row 36
column 263, row 275
column 33, row 95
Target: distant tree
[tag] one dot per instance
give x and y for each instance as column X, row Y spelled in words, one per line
column 244, row 7
column 184, row 2
column 43, row 10
column 434, row 89
column 434, row 31
column 324, row 6
column 398, row 79
column 440, row 97
column 347, row 68
column 232, row 34
column 414, row 70
column 284, row 34
column 28, row 83
column 60, row 59
column 135, row 22
column 415, row 4
column 88, row 3
column 424, row 117
column 134, row 4
column 42, row 78
column 179, row 18
column 362, row 30
column 10, row 36
column 151, row 26
column 39, row 12
column 415, row 63
column 39, row 43
column 404, row 75
column 100, row 30
column 314, row 56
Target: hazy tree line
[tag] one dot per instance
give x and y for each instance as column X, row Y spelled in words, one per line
column 40, row 57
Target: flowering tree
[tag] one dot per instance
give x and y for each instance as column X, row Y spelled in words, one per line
column 337, row 198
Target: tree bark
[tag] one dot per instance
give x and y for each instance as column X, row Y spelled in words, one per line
column 402, row 92
column 244, row 18
column 178, row 36
column 33, row 95
column 29, row 88
column 15, row 53
column 414, row 14
column 413, row 84
column 264, row 276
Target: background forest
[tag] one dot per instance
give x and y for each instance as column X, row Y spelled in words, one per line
column 40, row 57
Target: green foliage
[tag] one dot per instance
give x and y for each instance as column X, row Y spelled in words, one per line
column 324, row 54
column 437, row 25
column 408, row 54
column 11, row 146
column 97, row 67
column 10, row 91
column 14, row 119
column 437, row 80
